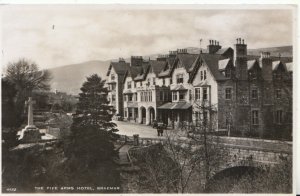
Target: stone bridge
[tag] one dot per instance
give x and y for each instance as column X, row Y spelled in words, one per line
column 237, row 152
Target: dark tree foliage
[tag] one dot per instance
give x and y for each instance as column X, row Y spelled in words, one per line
column 26, row 77
column 92, row 132
column 10, row 119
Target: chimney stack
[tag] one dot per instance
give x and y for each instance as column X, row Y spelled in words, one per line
column 240, row 59
column 136, row 61
column 213, row 46
column 266, row 66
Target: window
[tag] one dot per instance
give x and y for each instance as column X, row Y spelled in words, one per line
column 228, row 73
column 197, row 117
column 112, row 77
column 141, row 83
column 129, row 85
column 113, row 86
column 142, row 96
column 161, row 96
column 130, row 114
column 134, row 84
column 148, row 81
column 166, row 96
column 113, row 98
column 181, row 96
column 201, row 75
column 171, row 81
column 164, row 82
column 146, row 96
column 174, row 96
column 204, row 93
column 197, row 93
column 190, row 95
column 129, row 97
column 254, row 94
column 255, row 117
column 154, row 82
column 279, row 116
column 179, row 78
column 204, row 77
column 205, row 117
column 228, row 93
column 150, row 95
column 278, row 93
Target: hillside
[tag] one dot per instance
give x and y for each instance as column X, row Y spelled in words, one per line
column 69, row 78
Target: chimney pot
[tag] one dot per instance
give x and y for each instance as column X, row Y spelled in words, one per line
column 237, row 40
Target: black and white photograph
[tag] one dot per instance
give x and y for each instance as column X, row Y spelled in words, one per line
column 134, row 99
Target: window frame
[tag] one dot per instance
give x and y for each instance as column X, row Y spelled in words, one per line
column 197, row 94
column 205, row 94
column 255, row 117
column 230, row 93
column 179, row 78
column 254, row 90
column 180, row 94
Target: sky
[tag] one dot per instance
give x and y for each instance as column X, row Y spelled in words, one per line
column 60, row 35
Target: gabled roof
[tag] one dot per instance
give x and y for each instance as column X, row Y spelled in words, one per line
column 251, row 64
column 166, row 72
column 223, row 50
column 276, row 65
column 143, row 72
column 187, row 60
column 132, row 71
column 222, row 64
column 119, row 67
column 157, row 66
column 212, row 62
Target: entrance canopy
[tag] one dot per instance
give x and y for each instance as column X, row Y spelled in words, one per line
column 175, row 106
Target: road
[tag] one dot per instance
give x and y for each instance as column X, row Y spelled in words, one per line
column 129, row 129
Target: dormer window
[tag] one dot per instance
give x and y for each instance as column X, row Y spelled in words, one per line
column 112, row 77
column 148, row 81
column 179, row 78
column 129, row 85
column 204, row 74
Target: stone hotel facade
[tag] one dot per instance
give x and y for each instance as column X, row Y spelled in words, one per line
column 238, row 92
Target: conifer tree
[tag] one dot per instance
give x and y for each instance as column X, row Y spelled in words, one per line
column 92, row 132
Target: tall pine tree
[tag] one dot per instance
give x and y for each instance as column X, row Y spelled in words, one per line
column 92, row 132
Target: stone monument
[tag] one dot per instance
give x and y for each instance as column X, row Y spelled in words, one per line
column 30, row 133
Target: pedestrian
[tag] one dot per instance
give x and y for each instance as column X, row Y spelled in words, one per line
column 158, row 132
column 161, row 132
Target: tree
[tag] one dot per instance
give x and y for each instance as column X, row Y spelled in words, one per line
column 189, row 158
column 10, row 120
column 92, row 132
column 26, row 77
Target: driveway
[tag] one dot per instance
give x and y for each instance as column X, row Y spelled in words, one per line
column 129, row 129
